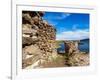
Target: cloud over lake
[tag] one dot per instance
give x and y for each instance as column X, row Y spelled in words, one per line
column 73, row 35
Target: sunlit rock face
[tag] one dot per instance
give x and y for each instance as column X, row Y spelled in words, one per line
column 38, row 39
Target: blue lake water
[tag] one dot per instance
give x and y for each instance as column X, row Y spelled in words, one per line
column 83, row 46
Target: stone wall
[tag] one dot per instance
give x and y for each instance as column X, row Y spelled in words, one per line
column 71, row 47
column 74, row 56
column 37, row 39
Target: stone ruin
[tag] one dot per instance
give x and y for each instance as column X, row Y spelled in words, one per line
column 39, row 45
column 38, row 39
column 71, row 47
column 75, row 56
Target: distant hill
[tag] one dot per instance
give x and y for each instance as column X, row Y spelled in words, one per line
column 85, row 39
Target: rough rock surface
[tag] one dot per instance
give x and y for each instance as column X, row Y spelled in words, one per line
column 74, row 56
column 71, row 47
column 37, row 39
column 79, row 59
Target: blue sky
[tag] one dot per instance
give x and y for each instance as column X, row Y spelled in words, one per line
column 69, row 26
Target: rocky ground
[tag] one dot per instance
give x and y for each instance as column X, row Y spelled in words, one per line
column 80, row 59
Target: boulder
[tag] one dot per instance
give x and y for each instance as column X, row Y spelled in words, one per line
column 32, row 49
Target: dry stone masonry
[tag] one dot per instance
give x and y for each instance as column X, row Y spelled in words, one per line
column 71, row 47
column 74, row 56
column 38, row 39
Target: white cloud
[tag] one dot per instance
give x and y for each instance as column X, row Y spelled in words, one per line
column 59, row 17
column 73, row 35
column 54, row 23
column 63, row 16
column 75, row 26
